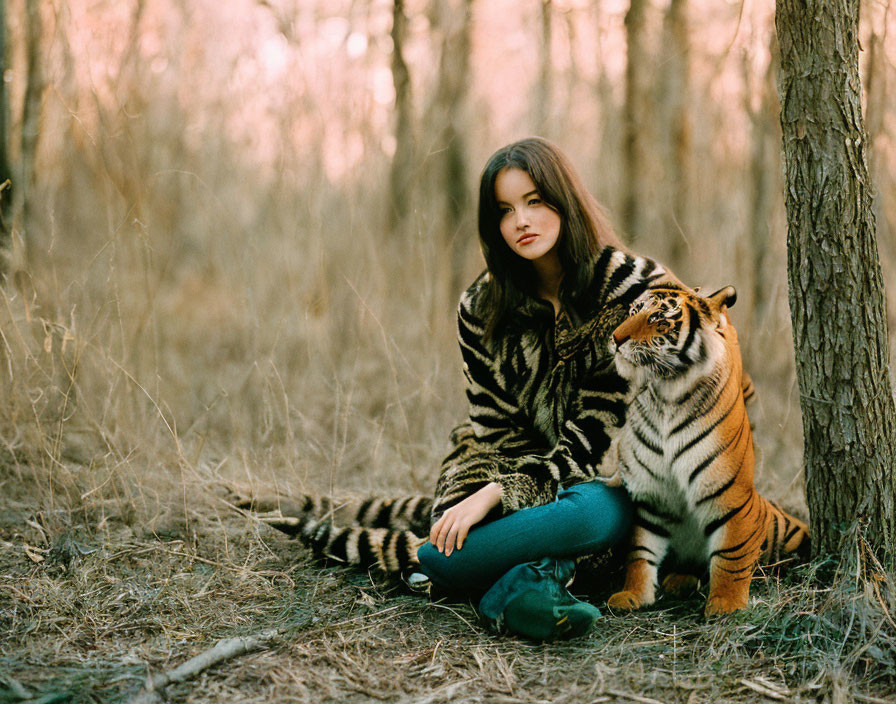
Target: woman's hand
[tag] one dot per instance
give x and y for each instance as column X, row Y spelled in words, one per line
column 452, row 528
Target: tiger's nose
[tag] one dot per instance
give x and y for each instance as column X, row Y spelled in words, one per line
column 619, row 337
column 632, row 326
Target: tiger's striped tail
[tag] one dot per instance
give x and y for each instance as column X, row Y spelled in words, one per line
column 383, row 534
column 786, row 536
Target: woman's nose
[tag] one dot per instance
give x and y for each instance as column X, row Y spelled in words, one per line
column 522, row 219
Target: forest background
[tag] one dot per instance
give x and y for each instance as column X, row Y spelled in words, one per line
column 238, row 231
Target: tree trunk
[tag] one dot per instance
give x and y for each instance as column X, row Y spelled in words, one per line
column 542, row 106
column 763, row 184
column 676, row 99
column 448, row 112
column 836, row 287
column 634, row 119
column 876, row 67
column 5, row 170
column 32, row 109
column 402, row 168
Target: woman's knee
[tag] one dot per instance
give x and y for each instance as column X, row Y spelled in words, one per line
column 435, row 565
column 429, row 557
column 602, row 513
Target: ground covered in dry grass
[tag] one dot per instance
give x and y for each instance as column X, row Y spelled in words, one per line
column 92, row 601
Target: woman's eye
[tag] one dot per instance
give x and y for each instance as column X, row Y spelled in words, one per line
column 534, row 201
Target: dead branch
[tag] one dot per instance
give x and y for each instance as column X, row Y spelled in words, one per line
column 224, row 649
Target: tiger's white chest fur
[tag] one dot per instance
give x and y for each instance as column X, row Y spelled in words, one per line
column 656, row 475
column 664, row 440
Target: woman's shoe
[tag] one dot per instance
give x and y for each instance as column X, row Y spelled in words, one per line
column 537, row 616
column 531, row 600
column 417, row 582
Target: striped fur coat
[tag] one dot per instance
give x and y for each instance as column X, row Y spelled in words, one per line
column 545, row 399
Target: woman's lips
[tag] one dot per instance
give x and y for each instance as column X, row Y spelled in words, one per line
column 527, row 238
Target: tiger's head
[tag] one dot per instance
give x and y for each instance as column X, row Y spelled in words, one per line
column 671, row 332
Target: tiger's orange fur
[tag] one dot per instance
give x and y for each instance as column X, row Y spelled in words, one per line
column 686, row 452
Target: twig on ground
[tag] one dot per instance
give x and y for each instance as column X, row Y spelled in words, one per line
column 632, row 697
column 765, row 689
column 224, row 649
column 870, row 699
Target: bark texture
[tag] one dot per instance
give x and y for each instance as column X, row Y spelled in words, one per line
column 402, row 168
column 836, row 287
column 637, row 88
column 5, row 169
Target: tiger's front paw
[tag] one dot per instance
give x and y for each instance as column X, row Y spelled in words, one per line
column 680, row 584
column 718, row 604
column 626, row 601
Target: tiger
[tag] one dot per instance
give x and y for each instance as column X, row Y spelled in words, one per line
column 686, row 456
column 545, row 401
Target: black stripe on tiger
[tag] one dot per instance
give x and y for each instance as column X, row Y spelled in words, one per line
column 713, row 526
column 646, row 442
column 727, row 553
column 690, row 336
column 655, row 528
column 709, row 429
column 702, row 406
column 734, row 477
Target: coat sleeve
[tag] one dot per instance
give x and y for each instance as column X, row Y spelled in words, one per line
column 502, row 444
column 494, row 412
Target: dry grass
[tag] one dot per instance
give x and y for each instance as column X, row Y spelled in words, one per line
column 92, row 603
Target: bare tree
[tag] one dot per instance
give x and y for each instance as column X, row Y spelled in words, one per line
column 875, row 111
column 5, row 169
column 675, row 86
column 402, row 168
column 545, row 79
column 763, row 168
column 447, row 115
column 32, row 109
column 836, row 287
column 634, row 115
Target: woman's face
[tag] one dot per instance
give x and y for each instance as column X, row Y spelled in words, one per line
column 529, row 226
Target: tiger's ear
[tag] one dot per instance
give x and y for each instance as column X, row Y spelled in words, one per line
column 723, row 297
column 719, row 301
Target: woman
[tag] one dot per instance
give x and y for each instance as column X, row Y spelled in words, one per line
column 522, row 492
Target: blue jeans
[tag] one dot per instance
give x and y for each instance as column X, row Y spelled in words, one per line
column 583, row 519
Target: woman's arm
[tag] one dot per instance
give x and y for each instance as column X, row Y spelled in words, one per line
column 452, row 528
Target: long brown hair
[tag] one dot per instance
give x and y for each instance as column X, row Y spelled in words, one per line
column 585, row 229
